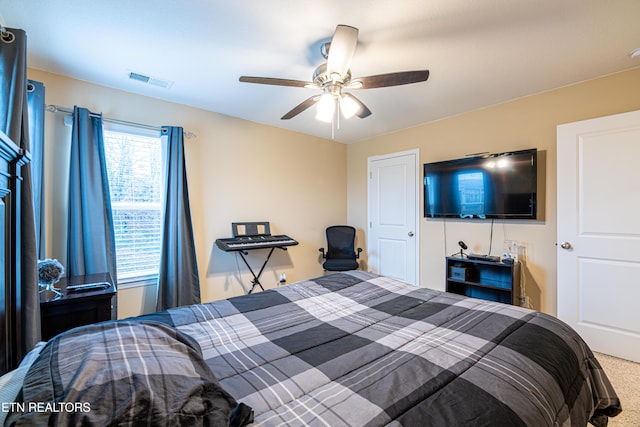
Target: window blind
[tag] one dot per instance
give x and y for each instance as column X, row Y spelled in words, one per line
column 134, row 167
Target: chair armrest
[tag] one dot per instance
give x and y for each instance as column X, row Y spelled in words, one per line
column 322, row 252
column 358, row 253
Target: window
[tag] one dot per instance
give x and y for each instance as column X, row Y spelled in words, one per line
column 135, row 169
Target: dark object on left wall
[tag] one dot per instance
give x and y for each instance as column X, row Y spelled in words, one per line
column 12, row 345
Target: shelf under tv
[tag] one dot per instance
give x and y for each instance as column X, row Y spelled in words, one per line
column 489, row 280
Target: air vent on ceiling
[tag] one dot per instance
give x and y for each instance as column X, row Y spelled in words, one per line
column 150, row 80
column 139, row 77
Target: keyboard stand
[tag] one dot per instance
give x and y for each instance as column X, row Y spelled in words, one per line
column 256, row 279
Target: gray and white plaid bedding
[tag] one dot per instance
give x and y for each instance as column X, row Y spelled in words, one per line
column 126, row 373
column 354, row 349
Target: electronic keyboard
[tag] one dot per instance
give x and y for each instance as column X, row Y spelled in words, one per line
column 245, row 243
column 254, row 235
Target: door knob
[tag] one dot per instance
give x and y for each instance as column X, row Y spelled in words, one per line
column 565, row 245
column 410, row 234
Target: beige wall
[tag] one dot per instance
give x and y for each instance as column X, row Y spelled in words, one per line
column 523, row 123
column 237, row 171
column 301, row 184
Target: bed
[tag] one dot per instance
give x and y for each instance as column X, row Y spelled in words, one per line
column 346, row 349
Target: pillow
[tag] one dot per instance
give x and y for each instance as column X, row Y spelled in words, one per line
column 124, row 372
column 11, row 382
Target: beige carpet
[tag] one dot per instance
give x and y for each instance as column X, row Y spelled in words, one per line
column 625, row 377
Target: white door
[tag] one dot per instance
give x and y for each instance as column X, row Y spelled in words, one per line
column 599, row 232
column 392, row 244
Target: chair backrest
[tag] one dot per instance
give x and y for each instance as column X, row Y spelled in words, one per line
column 341, row 242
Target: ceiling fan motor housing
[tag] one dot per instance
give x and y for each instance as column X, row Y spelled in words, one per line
column 322, row 78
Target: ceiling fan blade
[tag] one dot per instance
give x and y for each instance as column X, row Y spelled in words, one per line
column 392, row 79
column 274, row 81
column 363, row 111
column 341, row 50
column 301, row 107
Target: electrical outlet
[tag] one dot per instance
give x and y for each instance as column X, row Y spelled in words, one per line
column 509, row 246
column 521, row 251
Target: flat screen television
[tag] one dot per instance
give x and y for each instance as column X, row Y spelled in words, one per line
column 495, row 186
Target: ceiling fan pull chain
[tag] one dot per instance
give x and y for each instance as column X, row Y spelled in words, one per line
column 333, row 129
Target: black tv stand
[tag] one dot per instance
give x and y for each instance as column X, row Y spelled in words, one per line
column 489, row 280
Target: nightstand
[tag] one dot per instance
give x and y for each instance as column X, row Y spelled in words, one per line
column 78, row 305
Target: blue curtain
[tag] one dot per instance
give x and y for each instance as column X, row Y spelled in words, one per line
column 14, row 123
column 35, row 101
column 178, row 281
column 90, row 238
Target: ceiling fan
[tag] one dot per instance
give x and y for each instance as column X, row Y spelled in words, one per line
column 334, row 76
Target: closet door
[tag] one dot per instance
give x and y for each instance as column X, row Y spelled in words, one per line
column 599, row 232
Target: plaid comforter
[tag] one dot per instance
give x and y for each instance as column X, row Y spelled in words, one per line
column 126, row 373
column 355, row 349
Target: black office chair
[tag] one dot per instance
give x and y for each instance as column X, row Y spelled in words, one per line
column 340, row 255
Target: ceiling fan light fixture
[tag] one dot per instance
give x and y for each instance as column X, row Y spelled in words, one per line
column 348, row 107
column 334, row 77
column 326, row 108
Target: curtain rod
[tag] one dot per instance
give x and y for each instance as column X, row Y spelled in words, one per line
column 56, row 109
column 6, row 35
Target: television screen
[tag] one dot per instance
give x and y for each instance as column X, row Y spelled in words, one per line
column 496, row 186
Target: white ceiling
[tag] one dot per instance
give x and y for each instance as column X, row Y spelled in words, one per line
column 479, row 53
